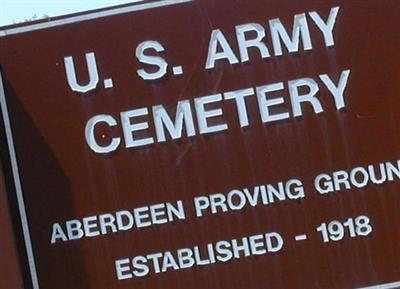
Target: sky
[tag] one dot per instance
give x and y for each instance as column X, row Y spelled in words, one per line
column 16, row 11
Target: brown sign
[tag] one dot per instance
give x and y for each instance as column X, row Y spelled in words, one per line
column 206, row 145
column 10, row 274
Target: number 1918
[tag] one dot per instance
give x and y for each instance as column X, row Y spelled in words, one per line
column 353, row 227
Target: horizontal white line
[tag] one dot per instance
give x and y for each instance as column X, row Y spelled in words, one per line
column 300, row 237
column 90, row 16
column 394, row 285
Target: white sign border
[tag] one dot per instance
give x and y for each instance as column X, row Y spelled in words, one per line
column 91, row 16
column 6, row 119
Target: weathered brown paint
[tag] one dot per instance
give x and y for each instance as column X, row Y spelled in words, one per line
column 10, row 273
column 63, row 179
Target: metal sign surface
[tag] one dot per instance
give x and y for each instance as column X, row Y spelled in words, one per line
column 207, row 144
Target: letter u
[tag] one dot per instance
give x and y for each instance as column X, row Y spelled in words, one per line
column 71, row 74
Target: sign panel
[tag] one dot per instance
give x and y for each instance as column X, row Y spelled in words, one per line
column 10, row 273
column 207, row 144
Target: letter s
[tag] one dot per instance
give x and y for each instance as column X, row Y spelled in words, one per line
column 152, row 60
